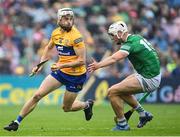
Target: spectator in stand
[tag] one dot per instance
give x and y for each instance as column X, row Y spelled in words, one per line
column 157, row 21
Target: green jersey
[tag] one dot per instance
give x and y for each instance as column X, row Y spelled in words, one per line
column 142, row 55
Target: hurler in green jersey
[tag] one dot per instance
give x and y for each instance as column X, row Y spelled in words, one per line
column 142, row 55
column 146, row 78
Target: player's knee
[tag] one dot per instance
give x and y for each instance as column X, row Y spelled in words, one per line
column 66, row 109
column 37, row 97
column 111, row 92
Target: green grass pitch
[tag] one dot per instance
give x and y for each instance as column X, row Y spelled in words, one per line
column 52, row 121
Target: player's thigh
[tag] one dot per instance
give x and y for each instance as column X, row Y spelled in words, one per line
column 129, row 85
column 130, row 76
column 69, row 98
column 48, row 85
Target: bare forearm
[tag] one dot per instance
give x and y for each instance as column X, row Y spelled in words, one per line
column 112, row 59
column 45, row 55
column 73, row 64
column 106, row 62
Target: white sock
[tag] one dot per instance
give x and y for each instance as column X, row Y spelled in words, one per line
column 17, row 122
column 122, row 121
column 86, row 105
column 140, row 110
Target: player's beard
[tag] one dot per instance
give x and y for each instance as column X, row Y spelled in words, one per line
column 66, row 28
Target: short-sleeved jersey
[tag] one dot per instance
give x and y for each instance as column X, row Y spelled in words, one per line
column 65, row 43
column 142, row 55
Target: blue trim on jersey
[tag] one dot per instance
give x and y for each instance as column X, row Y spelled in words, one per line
column 65, row 51
column 72, row 83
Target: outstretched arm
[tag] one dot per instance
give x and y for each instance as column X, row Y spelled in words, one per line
column 45, row 54
column 44, row 57
column 107, row 61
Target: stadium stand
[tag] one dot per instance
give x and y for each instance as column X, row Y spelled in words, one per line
column 26, row 25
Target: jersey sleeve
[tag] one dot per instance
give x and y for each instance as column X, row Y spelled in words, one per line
column 79, row 42
column 126, row 48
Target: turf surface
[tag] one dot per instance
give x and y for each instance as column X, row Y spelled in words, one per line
column 52, row 121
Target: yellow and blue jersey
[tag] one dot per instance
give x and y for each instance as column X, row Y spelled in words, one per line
column 65, row 43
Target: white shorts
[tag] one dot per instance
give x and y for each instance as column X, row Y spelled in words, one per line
column 149, row 85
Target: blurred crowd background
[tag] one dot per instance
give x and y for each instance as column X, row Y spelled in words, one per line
column 26, row 26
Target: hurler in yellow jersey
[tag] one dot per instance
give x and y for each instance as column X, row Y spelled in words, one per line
column 65, row 43
column 69, row 70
